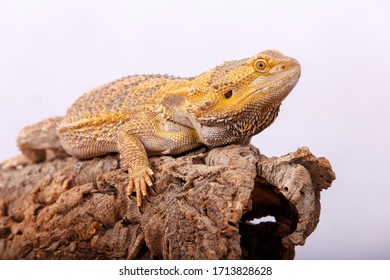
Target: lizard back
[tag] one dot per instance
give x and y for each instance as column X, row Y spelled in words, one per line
column 121, row 96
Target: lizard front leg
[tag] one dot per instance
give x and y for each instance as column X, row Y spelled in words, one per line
column 148, row 133
column 135, row 160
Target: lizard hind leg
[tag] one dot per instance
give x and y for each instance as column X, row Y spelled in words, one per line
column 39, row 141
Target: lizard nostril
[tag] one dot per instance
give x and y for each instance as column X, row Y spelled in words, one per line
column 283, row 67
column 228, row 94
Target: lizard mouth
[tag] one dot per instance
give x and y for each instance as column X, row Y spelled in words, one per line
column 284, row 81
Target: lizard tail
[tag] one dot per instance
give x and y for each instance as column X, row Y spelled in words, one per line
column 34, row 140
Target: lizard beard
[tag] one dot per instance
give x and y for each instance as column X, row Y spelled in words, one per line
column 238, row 130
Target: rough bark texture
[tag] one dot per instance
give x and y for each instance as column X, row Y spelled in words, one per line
column 201, row 207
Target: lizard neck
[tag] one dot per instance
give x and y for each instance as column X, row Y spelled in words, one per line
column 173, row 104
column 238, row 126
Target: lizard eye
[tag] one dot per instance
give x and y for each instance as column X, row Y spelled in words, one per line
column 260, row 65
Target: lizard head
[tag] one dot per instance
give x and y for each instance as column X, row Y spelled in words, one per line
column 238, row 99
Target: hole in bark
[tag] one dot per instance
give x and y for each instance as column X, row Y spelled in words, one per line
column 230, row 223
column 286, row 189
column 5, row 209
column 4, row 232
column 87, row 196
column 182, row 182
column 111, row 190
column 198, row 160
column 126, row 222
column 38, row 209
column 72, row 236
column 17, row 219
column 263, row 228
column 244, row 153
column 19, row 232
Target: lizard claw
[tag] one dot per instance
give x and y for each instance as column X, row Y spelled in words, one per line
column 139, row 183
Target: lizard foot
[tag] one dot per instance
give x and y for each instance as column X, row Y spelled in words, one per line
column 139, row 183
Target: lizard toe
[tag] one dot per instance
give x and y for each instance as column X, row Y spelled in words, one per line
column 140, row 184
column 130, row 188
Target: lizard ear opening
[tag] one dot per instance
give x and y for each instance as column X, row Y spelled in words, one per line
column 228, row 94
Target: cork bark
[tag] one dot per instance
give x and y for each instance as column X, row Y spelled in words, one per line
column 204, row 205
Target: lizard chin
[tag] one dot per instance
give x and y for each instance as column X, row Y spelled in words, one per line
column 214, row 136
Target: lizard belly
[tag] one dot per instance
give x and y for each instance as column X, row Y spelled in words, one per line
column 169, row 138
column 88, row 141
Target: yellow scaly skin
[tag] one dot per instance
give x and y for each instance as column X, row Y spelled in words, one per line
column 140, row 116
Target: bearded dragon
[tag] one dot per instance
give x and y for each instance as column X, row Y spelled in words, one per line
column 144, row 115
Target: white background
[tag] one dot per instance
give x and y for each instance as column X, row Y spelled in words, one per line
column 189, row 270
column 51, row 52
